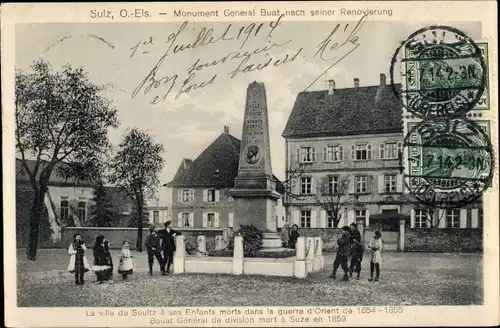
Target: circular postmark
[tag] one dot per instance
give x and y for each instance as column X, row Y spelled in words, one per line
column 448, row 163
column 443, row 71
column 252, row 154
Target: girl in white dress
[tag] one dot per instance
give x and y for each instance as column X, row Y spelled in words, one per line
column 376, row 255
column 126, row 267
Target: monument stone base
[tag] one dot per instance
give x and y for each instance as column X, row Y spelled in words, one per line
column 257, row 211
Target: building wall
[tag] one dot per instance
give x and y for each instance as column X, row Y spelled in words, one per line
column 74, row 195
column 373, row 201
column 223, row 208
column 160, row 208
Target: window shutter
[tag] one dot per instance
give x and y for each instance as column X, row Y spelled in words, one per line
column 381, row 186
column 179, row 195
column 474, row 218
column 298, row 154
column 350, row 217
column 296, row 217
column 351, row 183
column 325, row 154
column 399, row 183
column 231, row 220
column 322, row 219
column 191, row 195
column 217, row 195
column 204, row 220
column 205, row 195
column 353, row 152
column 313, row 186
column 179, row 220
column 412, row 218
column 191, row 220
column 216, row 223
column 151, row 217
column 313, row 155
column 369, row 151
column 367, row 218
column 381, row 151
column 341, row 153
column 400, row 146
column 442, row 218
column 314, row 218
column 463, row 218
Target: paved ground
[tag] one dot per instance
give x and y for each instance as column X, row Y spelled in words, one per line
column 406, row 278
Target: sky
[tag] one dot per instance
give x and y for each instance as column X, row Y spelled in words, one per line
column 122, row 55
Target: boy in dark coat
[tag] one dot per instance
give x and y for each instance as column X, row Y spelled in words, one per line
column 343, row 252
column 168, row 246
column 154, row 250
column 356, row 251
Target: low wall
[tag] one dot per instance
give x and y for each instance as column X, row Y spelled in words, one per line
column 444, row 240
column 117, row 235
column 329, row 236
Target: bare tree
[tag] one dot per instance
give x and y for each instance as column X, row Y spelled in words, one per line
column 334, row 197
column 61, row 117
column 292, row 181
column 135, row 169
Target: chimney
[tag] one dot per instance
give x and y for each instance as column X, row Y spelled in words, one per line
column 382, row 80
column 226, row 129
column 331, row 87
column 356, row 83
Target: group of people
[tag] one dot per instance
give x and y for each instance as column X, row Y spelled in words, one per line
column 156, row 244
column 350, row 246
column 289, row 236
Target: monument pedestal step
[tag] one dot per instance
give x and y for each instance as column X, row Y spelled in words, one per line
column 274, row 249
column 271, row 240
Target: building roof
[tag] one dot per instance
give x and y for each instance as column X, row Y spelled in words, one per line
column 216, row 166
column 349, row 111
column 55, row 178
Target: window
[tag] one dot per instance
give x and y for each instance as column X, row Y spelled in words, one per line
column 330, row 220
column 390, row 150
column 305, row 185
column 64, row 209
column 333, row 185
column 305, row 219
column 390, row 183
column 156, row 216
column 82, row 211
column 211, row 195
column 361, row 184
column 361, row 152
column 333, row 154
column 452, row 218
column 307, row 154
column 360, row 215
column 420, row 219
column 186, row 195
column 210, row 220
column 185, row 220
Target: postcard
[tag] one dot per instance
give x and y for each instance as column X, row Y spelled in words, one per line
column 250, row 164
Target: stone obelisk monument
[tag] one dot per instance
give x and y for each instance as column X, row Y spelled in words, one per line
column 254, row 190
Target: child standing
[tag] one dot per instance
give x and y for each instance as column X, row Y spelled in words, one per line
column 356, row 258
column 100, row 259
column 78, row 263
column 376, row 255
column 126, row 267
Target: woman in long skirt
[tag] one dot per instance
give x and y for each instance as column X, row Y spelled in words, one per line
column 100, row 259
column 108, row 274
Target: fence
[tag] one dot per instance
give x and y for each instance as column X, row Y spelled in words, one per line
column 308, row 258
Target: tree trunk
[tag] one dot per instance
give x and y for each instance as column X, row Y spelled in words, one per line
column 35, row 219
column 139, row 228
